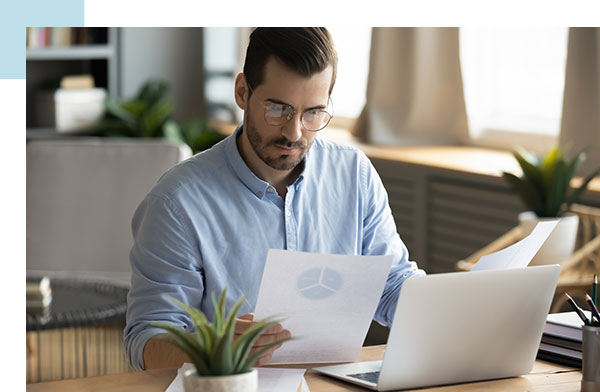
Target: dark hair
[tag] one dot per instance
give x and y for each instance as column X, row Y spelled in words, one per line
column 305, row 50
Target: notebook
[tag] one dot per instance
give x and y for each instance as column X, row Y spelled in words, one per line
column 460, row 327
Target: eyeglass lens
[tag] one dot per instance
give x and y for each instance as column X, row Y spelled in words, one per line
column 312, row 120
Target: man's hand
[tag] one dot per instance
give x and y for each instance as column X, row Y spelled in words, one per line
column 271, row 335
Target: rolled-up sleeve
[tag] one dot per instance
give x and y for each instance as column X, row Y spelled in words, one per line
column 165, row 260
column 380, row 237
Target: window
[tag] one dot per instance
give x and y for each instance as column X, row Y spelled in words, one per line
column 353, row 46
column 220, row 69
column 513, row 83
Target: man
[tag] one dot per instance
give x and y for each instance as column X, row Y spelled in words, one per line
column 209, row 222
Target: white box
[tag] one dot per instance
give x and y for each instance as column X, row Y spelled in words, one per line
column 78, row 109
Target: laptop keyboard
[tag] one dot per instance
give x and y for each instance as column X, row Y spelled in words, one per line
column 368, row 376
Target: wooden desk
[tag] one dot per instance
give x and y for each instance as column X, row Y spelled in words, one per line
column 544, row 377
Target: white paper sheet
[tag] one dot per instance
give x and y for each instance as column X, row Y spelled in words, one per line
column 519, row 254
column 569, row 319
column 326, row 301
column 269, row 380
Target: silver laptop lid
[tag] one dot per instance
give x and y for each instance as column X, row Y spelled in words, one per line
column 459, row 327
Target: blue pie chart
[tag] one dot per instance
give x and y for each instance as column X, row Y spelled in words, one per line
column 319, row 283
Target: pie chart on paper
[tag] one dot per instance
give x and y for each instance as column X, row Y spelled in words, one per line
column 319, row 283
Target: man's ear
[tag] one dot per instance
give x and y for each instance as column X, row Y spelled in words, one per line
column 241, row 91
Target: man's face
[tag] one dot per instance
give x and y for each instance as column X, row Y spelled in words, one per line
column 284, row 147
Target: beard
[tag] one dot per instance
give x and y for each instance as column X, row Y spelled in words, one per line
column 275, row 161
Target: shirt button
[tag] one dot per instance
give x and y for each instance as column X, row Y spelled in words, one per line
column 270, row 190
column 288, row 214
column 259, row 194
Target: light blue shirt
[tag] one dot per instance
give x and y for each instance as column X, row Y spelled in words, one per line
column 208, row 223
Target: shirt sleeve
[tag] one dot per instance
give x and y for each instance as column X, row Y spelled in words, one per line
column 165, row 260
column 380, row 237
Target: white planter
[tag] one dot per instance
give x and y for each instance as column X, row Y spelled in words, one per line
column 246, row 382
column 80, row 109
column 561, row 242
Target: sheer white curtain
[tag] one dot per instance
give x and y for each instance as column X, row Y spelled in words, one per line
column 414, row 93
column 580, row 127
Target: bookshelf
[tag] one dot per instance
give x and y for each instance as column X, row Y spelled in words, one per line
column 55, row 52
column 96, row 51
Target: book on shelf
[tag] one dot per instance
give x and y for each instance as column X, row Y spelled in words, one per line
column 43, row 37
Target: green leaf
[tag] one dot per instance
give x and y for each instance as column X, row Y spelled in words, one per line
column 114, row 108
column 557, row 190
column 548, row 168
column 550, row 159
column 244, row 343
column 528, row 193
column 152, row 91
column 531, row 157
column 222, row 310
column 229, row 361
column 194, row 313
column 218, row 319
column 193, row 129
column 112, row 127
column 574, row 164
column 206, row 140
column 172, row 132
column 531, row 173
column 135, row 107
column 153, row 118
column 223, row 357
column 574, row 197
column 249, row 363
column 185, row 342
column 200, row 323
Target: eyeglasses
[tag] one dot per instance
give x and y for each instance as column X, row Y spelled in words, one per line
column 278, row 114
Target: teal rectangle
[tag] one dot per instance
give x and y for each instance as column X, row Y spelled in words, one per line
column 17, row 15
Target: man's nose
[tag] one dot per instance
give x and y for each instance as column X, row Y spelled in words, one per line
column 292, row 130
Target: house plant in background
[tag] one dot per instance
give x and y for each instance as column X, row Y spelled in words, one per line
column 544, row 187
column 150, row 115
column 221, row 363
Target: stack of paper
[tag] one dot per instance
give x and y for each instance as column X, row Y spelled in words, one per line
column 561, row 341
column 269, row 380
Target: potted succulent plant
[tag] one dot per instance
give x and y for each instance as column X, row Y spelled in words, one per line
column 544, row 187
column 222, row 363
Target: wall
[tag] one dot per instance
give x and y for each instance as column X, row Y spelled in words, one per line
column 172, row 54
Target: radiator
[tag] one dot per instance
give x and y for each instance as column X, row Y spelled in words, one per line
column 444, row 216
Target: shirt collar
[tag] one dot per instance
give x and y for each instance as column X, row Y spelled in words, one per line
column 257, row 186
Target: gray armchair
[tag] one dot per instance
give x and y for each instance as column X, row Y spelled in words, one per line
column 81, row 195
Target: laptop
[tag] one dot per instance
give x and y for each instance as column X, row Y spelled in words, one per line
column 460, row 327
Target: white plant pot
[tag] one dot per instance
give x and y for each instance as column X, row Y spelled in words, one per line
column 246, row 382
column 561, row 242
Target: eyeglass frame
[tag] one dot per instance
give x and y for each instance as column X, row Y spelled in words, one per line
column 294, row 111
